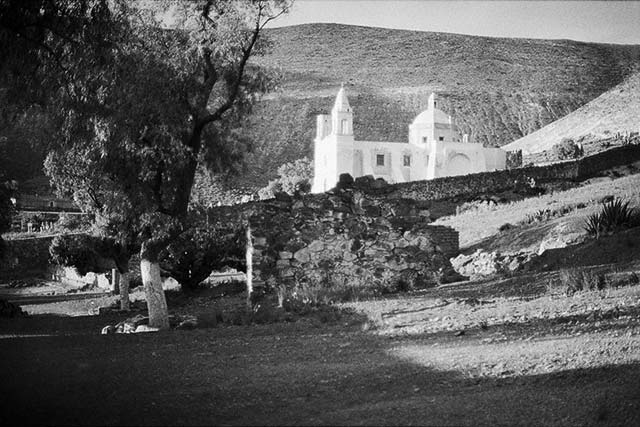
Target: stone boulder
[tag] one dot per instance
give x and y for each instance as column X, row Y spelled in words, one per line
column 484, row 264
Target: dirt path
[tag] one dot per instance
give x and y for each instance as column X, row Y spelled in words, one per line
column 308, row 373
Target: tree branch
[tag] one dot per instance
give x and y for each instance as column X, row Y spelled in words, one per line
column 235, row 87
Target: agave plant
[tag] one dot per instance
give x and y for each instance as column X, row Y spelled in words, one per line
column 615, row 215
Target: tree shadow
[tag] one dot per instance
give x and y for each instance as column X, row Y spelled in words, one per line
column 298, row 373
column 288, row 375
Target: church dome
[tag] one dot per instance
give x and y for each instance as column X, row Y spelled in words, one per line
column 432, row 116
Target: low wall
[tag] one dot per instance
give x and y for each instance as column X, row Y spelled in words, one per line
column 479, row 183
column 488, row 182
column 592, row 165
column 343, row 239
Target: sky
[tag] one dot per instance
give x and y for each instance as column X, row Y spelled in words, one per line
column 590, row 21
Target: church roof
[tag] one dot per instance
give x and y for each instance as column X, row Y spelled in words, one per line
column 431, row 115
column 342, row 103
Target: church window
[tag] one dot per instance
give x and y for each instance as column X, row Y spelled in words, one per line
column 343, row 127
column 406, row 160
column 441, row 138
column 379, row 159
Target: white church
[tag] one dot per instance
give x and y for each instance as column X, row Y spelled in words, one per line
column 435, row 149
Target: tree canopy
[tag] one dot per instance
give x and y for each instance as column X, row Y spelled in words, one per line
column 139, row 93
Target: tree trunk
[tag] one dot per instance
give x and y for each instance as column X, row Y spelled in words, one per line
column 249, row 269
column 156, row 301
column 115, row 287
column 124, row 291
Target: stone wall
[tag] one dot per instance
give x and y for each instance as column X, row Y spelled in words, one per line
column 491, row 182
column 592, row 165
column 343, row 240
column 476, row 184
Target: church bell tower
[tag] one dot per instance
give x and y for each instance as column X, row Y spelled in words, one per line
column 342, row 115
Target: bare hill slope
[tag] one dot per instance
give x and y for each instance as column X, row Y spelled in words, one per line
column 617, row 110
column 498, row 89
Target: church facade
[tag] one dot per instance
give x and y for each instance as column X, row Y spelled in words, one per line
column 434, row 149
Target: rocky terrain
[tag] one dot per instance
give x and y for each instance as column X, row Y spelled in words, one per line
column 494, row 87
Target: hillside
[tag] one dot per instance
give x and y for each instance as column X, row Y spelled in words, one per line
column 617, row 110
column 499, row 89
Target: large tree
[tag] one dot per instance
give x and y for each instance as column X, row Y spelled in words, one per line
column 141, row 94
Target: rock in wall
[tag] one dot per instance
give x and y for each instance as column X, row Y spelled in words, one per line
column 344, row 240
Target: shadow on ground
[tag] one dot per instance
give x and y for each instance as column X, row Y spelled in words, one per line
column 296, row 374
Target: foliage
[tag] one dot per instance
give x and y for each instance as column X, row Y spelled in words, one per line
column 505, row 227
column 210, row 189
column 140, row 93
column 615, row 215
column 567, row 149
column 576, row 280
column 7, row 209
column 164, row 100
column 87, row 253
column 293, row 177
column 73, row 223
column 195, row 253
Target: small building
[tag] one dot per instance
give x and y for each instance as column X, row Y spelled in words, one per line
column 34, row 202
column 435, row 149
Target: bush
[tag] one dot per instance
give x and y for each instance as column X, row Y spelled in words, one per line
column 7, row 209
column 567, row 149
column 87, row 253
column 506, row 226
column 614, row 216
column 576, row 280
column 73, row 223
column 294, row 177
column 199, row 250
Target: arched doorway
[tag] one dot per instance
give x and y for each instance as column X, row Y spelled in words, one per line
column 458, row 164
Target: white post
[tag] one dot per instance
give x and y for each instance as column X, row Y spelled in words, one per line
column 249, row 261
column 114, row 280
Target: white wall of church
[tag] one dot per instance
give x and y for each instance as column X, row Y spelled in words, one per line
column 434, row 150
column 459, row 158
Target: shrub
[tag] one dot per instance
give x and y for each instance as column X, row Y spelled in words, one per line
column 615, row 215
column 87, row 253
column 567, row 149
column 294, row 177
column 576, row 280
column 623, row 279
column 199, row 250
column 7, row 209
column 506, row 226
column 73, row 223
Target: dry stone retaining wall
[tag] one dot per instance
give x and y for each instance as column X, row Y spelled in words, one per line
column 344, row 240
column 592, row 165
column 488, row 182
